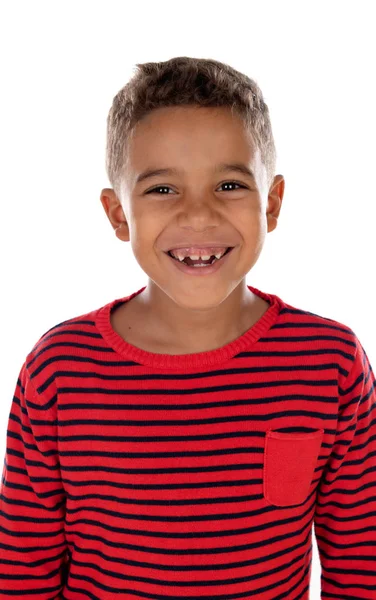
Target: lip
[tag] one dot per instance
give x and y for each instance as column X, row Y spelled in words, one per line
column 201, row 271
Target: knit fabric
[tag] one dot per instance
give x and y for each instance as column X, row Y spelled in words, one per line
column 131, row 474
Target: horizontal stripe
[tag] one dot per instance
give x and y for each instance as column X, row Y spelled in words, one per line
column 157, row 476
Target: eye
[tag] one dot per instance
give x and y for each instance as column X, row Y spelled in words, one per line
column 232, row 183
column 165, row 187
column 159, row 187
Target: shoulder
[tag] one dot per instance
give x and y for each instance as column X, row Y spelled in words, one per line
column 61, row 348
column 321, row 332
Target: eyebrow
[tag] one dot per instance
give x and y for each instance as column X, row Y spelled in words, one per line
column 221, row 168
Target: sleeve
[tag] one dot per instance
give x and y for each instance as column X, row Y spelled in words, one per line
column 345, row 511
column 33, row 552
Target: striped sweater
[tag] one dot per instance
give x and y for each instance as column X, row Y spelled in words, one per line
column 131, row 474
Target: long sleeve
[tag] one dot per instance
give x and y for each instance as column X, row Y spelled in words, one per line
column 345, row 514
column 33, row 553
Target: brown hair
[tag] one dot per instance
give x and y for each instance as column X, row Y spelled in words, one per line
column 182, row 81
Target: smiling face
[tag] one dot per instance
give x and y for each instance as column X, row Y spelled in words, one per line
column 196, row 202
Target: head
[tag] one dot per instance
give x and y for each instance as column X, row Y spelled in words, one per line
column 191, row 116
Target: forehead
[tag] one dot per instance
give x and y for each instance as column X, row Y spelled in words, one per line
column 190, row 138
column 192, row 123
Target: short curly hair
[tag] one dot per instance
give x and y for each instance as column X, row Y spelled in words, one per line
column 183, row 81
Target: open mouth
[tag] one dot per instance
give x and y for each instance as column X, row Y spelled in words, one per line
column 191, row 263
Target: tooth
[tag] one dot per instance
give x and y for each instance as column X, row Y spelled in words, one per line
column 178, row 255
column 181, row 256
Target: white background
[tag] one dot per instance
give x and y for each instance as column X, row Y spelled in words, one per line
column 61, row 65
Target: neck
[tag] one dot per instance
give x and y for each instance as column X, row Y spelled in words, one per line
column 188, row 330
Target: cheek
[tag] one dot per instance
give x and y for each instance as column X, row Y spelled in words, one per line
column 144, row 240
column 259, row 236
column 253, row 228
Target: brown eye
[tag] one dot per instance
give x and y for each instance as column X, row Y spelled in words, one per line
column 166, row 187
column 159, row 187
column 232, row 183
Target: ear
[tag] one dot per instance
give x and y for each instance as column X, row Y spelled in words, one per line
column 114, row 211
column 275, row 198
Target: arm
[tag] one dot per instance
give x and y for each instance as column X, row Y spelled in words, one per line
column 33, row 552
column 345, row 513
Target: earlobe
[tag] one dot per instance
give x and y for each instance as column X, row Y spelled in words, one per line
column 272, row 222
column 115, row 214
column 122, row 232
column 275, row 202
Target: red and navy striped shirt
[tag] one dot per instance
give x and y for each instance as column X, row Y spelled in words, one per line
column 131, row 474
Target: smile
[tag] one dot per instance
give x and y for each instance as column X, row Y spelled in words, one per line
column 205, row 268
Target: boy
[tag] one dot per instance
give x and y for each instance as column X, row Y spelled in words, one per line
column 182, row 441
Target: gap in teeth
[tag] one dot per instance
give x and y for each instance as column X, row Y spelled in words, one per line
column 182, row 257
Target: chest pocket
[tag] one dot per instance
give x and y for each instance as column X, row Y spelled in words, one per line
column 290, row 460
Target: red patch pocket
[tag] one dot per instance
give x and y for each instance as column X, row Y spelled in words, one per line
column 289, row 465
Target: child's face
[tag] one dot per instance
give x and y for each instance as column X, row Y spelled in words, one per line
column 196, row 207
